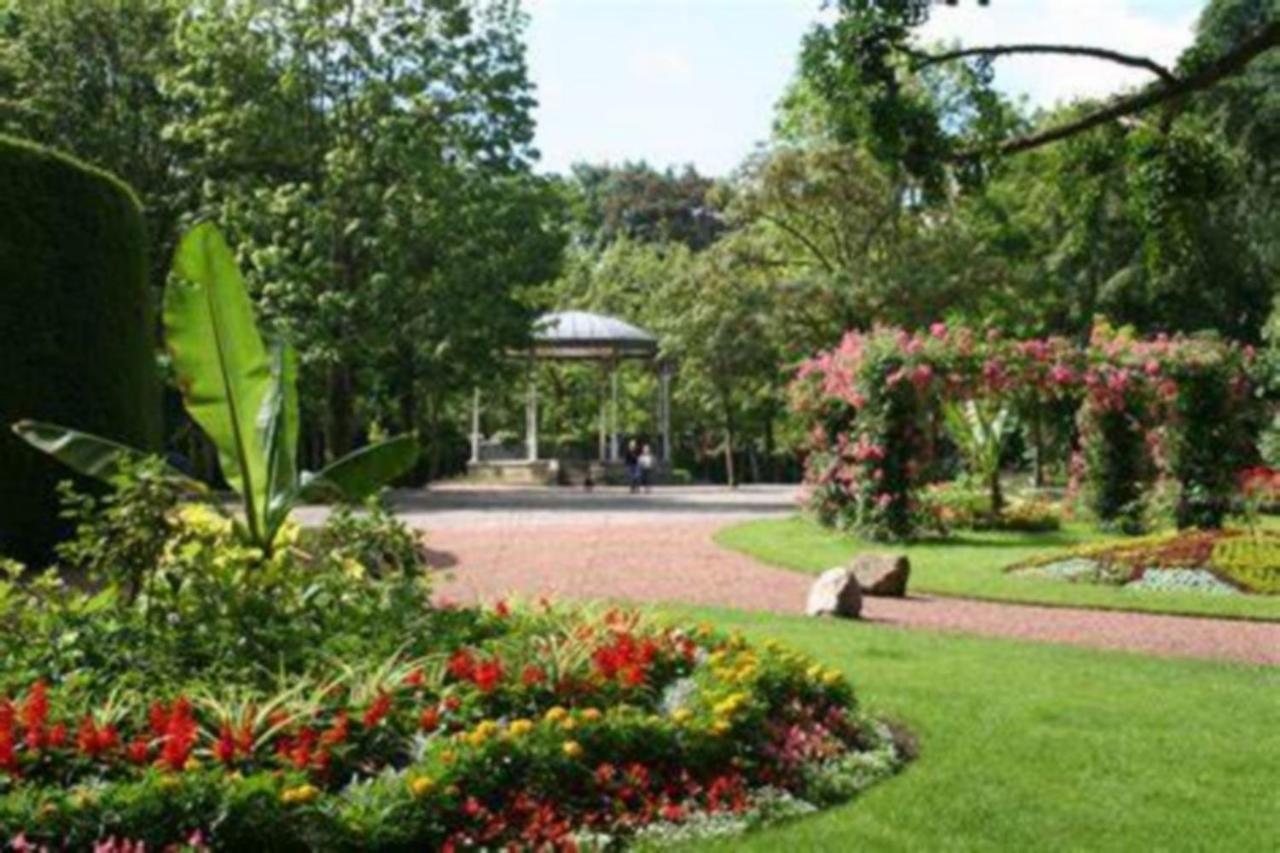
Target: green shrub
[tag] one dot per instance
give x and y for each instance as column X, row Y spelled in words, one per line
column 1251, row 561
column 76, row 320
column 961, row 505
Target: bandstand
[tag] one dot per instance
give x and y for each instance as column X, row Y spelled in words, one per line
column 576, row 336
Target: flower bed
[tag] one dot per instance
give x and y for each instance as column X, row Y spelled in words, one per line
column 1228, row 561
column 310, row 700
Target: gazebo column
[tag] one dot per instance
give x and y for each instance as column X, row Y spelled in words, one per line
column 475, row 425
column 531, row 416
column 613, row 412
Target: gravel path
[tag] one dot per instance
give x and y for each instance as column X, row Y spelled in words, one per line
column 646, row 559
column 567, row 544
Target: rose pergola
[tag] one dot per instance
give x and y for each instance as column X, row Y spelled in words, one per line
column 1177, row 410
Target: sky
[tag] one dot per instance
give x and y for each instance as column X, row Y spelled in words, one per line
column 694, row 81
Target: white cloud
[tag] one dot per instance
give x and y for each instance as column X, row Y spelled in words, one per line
column 1120, row 25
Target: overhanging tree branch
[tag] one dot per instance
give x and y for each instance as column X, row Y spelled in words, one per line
column 1230, row 63
column 924, row 60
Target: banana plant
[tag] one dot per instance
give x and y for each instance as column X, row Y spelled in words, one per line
column 241, row 389
column 979, row 429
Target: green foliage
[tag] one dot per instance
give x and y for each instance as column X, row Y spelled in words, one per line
column 313, row 700
column 966, row 506
column 76, row 318
column 183, row 598
column 246, row 401
column 979, row 429
column 121, row 537
column 638, row 202
column 359, row 177
column 1251, row 561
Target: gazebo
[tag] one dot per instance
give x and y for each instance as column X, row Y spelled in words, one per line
column 576, row 336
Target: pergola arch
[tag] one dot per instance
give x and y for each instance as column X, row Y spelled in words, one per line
column 583, row 336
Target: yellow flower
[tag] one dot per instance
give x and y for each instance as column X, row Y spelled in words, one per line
column 556, row 714
column 353, row 569
column 520, row 727
column 193, row 763
column 730, row 704
column 682, row 715
column 448, row 756
column 831, row 677
column 591, row 715
column 572, row 749
column 482, row 732
column 720, row 727
column 568, row 724
column 814, row 672
column 302, row 794
column 420, row 786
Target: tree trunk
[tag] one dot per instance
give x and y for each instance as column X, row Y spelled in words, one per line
column 730, row 474
column 997, row 495
column 340, row 429
column 433, row 427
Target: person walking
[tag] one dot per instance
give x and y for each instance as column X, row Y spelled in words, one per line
column 646, row 467
column 631, row 458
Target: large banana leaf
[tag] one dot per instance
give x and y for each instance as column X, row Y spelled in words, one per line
column 222, row 366
column 88, row 454
column 362, row 472
column 278, row 432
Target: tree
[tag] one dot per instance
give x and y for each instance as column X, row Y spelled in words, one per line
column 326, row 134
column 637, row 202
column 718, row 328
column 84, row 76
column 867, row 65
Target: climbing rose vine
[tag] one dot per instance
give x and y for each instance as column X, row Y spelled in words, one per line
column 1177, row 407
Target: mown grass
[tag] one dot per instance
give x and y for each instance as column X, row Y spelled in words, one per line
column 1042, row 747
column 972, row 565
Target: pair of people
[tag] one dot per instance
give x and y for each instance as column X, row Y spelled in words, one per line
column 639, row 461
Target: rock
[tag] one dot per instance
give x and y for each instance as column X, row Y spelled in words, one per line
column 835, row 593
column 882, row 574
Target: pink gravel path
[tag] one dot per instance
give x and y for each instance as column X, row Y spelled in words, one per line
column 677, row 561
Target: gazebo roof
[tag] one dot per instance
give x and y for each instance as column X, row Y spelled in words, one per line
column 582, row 334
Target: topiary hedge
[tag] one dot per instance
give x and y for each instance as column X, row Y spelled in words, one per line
column 76, row 325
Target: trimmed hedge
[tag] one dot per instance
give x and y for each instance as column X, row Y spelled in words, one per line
column 76, row 323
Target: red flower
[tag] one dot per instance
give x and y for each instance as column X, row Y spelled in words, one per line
column 94, row 741
column 58, row 736
column 488, row 674
column 8, row 754
column 414, row 678
column 225, row 748
column 452, row 703
column 138, row 751
column 380, row 708
column 430, row 719
column 338, row 732
column 502, row 608
column 462, row 665
column 533, row 675
column 179, row 736
column 35, row 713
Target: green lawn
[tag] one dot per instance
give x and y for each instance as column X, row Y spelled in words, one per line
column 1040, row 747
column 972, row 565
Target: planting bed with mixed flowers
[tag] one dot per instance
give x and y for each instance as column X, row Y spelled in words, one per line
column 1230, row 561
column 190, row 691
